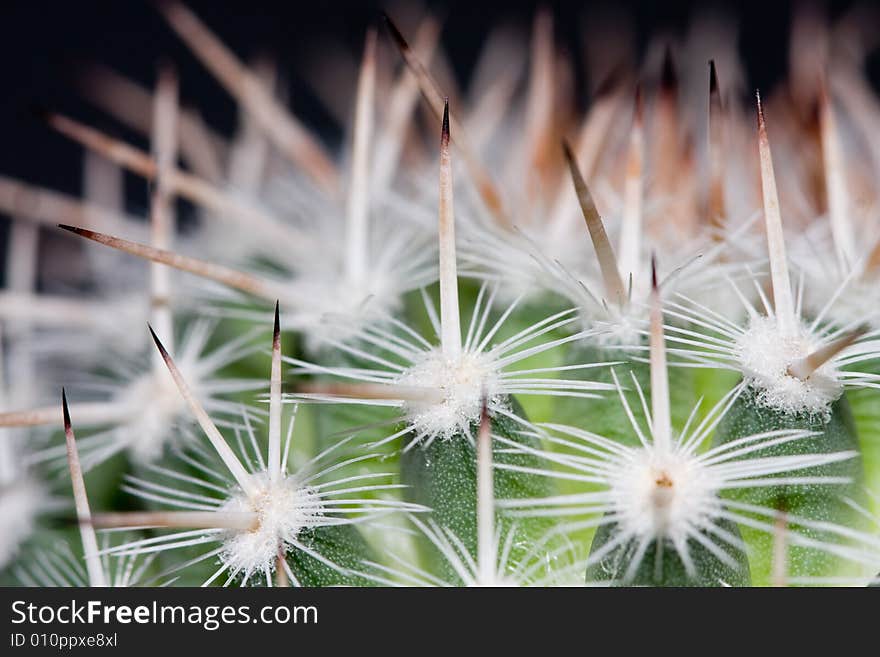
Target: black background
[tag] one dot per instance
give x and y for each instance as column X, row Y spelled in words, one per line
column 43, row 42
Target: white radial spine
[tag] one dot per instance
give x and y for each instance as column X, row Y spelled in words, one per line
column 235, row 520
column 450, row 323
column 835, row 183
column 631, row 228
column 162, row 221
column 275, row 403
column 485, row 501
column 779, row 562
column 716, row 142
column 236, row 469
column 779, row 277
column 615, row 290
column 95, row 570
column 661, row 419
column 357, row 225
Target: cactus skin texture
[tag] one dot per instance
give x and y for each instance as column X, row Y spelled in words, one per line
column 823, row 502
column 670, row 571
column 443, row 477
column 604, row 415
column 343, row 545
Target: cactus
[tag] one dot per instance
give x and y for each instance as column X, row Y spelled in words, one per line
column 549, row 348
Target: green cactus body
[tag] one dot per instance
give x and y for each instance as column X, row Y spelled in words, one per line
column 330, row 423
column 605, row 415
column 341, row 545
column 442, row 476
column 665, row 568
column 818, row 502
column 866, row 413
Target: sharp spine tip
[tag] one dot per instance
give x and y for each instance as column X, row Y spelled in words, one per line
column 713, row 78
column 762, row 126
column 610, row 82
column 158, row 342
column 277, row 329
column 395, row 33
column 654, row 285
column 566, row 152
column 65, row 410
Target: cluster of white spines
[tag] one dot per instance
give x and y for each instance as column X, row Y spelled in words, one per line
column 343, row 283
column 667, row 490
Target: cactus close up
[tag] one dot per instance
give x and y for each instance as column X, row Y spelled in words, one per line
column 518, row 339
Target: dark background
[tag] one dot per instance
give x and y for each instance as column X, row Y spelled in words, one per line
column 43, row 42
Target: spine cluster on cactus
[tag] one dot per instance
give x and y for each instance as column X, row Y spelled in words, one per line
column 631, row 346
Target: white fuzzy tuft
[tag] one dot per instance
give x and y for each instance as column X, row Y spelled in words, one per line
column 663, row 494
column 766, row 355
column 623, row 327
column 462, row 382
column 158, row 407
column 284, row 508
